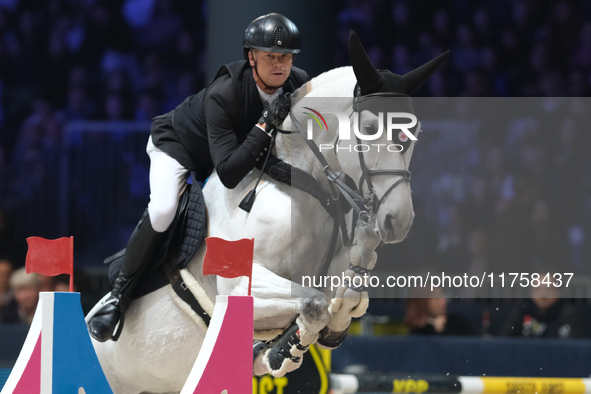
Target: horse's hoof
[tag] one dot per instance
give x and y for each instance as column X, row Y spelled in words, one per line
column 102, row 325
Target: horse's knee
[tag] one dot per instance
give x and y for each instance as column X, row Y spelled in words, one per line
column 315, row 311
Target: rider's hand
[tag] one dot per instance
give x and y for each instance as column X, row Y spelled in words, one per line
column 276, row 113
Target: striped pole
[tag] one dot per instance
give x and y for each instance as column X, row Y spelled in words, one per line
column 397, row 383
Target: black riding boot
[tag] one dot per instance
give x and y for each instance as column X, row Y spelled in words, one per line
column 141, row 248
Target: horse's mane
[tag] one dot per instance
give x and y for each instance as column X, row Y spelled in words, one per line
column 338, row 82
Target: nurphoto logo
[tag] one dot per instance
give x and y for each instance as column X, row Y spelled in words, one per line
column 399, row 122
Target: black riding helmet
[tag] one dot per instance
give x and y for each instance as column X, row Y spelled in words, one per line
column 272, row 33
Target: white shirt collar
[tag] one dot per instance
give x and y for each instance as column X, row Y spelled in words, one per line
column 268, row 98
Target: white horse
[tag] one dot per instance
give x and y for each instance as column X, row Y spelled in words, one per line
column 292, row 232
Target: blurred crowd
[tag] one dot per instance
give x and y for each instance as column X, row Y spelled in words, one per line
column 69, row 60
column 66, row 60
column 518, row 194
column 526, row 48
column 515, row 196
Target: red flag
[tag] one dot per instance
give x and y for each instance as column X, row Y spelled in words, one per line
column 229, row 259
column 50, row 256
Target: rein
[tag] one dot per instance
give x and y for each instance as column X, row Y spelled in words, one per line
column 337, row 187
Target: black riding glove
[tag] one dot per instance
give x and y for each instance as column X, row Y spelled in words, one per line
column 276, row 113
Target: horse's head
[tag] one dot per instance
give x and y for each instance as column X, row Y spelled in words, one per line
column 385, row 130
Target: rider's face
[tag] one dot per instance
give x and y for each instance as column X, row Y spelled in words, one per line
column 272, row 68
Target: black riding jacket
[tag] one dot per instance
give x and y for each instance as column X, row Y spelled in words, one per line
column 216, row 128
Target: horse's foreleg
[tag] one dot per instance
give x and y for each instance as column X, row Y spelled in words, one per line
column 350, row 302
column 281, row 304
column 279, row 301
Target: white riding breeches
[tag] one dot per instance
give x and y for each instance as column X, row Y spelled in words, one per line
column 167, row 181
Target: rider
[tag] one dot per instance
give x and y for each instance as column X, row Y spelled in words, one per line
column 220, row 127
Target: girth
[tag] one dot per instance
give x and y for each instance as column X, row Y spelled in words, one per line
column 173, row 273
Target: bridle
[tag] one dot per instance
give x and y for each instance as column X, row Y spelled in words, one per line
column 365, row 206
column 372, row 202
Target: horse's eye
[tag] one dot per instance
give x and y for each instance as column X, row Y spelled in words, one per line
column 370, row 127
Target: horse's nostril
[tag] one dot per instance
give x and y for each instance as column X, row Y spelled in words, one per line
column 389, row 223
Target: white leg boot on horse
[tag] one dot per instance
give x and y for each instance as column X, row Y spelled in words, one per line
column 286, row 352
column 141, row 248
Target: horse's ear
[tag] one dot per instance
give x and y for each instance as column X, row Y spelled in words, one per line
column 365, row 72
column 414, row 79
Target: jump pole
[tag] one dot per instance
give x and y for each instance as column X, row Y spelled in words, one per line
column 398, row 383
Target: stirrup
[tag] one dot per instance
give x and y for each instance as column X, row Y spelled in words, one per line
column 119, row 327
column 110, row 307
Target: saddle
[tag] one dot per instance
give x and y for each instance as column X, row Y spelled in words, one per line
column 184, row 237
